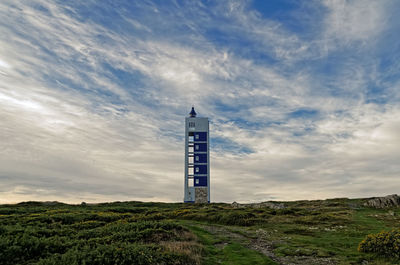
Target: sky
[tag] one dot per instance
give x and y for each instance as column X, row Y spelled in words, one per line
column 302, row 96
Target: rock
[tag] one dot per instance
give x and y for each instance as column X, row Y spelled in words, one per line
column 271, row 205
column 384, row 202
column 235, row 205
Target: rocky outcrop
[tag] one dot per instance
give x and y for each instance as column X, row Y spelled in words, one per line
column 271, row 205
column 384, row 202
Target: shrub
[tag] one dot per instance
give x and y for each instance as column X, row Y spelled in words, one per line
column 238, row 218
column 117, row 254
column 337, row 218
column 88, row 224
column 384, row 243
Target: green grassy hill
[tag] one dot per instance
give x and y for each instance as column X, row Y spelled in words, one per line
column 302, row 232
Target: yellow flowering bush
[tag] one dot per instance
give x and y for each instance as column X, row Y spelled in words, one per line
column 383, row 243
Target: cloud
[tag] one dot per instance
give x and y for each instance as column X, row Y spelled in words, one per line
column 355, row 21
column 93, row 99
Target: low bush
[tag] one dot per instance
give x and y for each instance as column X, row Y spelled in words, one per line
column 336, row 218
column 117, row 254
column 102, row 237
column 238, row 218
column 384, row 244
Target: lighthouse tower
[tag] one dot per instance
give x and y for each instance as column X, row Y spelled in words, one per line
column 197, row 159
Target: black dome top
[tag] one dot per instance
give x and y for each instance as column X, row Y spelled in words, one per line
column 192, row 113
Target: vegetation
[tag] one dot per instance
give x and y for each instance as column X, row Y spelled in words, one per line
column 384, row 243
column 304, row 232
column 33, row 233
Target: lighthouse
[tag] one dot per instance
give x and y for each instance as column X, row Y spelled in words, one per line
column 197, row 159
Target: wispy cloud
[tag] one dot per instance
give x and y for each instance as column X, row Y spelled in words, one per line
column 355, row 21
column 93, row 98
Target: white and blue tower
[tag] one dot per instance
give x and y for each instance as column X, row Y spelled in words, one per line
column 197, row 159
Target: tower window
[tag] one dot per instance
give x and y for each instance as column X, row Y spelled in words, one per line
column 197, row 147
column 197, row 137
column 190, row 182
column 197, row 170
column 191, row 124
column 197, row 181
column 197, row 158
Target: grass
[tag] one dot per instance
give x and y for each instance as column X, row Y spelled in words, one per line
column 228, row 252
column 177, row 233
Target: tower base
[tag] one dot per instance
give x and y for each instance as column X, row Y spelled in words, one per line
column 201, row 195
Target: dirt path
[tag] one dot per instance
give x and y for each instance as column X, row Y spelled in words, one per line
column 259, row 240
